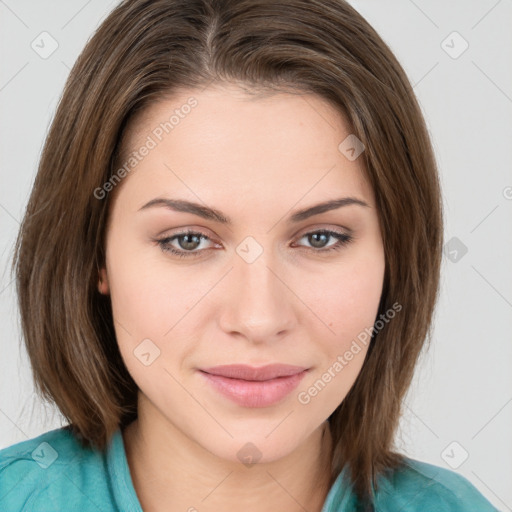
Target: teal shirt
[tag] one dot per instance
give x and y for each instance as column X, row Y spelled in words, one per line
column 53, row 473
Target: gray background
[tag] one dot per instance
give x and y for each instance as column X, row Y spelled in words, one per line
column 460, row 404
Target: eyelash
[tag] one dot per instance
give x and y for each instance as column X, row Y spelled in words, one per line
column 343, row 240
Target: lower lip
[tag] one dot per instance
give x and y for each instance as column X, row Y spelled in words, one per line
column 248, row 393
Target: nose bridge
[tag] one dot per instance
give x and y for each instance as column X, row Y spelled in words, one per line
column 258, row 303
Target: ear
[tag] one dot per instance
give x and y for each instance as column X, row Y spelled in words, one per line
column 103, row 287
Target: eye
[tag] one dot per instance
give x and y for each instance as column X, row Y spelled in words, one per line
column 319, row 238
column 189, row 242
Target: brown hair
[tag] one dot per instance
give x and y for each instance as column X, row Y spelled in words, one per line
column 144, row 51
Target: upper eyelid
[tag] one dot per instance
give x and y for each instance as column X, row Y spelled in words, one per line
column 321, row 227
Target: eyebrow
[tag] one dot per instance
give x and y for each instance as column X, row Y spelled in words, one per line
column 180, row 205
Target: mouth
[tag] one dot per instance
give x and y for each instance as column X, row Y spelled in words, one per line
column 258, row 373
column 250, row 386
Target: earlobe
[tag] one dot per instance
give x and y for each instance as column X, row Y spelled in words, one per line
column 103, row 282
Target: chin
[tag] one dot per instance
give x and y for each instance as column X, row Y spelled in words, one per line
column 251, row 446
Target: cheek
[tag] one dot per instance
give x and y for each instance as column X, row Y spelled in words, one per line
column 345, row 299
column 348, row 305
column 147, row 308
column 150, row 301
column 149, row 293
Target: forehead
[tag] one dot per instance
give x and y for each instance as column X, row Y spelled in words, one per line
column 275, row 145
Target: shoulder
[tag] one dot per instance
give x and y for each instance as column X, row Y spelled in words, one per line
column 52, row 472
column 419, row 486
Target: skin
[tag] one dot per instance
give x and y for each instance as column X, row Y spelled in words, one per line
column 258, row 161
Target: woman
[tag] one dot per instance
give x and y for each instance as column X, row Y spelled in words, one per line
column 237, row 229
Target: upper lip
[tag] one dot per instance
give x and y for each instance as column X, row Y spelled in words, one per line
column 245, row 372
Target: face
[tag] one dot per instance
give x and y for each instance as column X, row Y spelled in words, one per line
column 250, row 284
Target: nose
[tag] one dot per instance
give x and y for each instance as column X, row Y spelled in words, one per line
column 257, row 302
